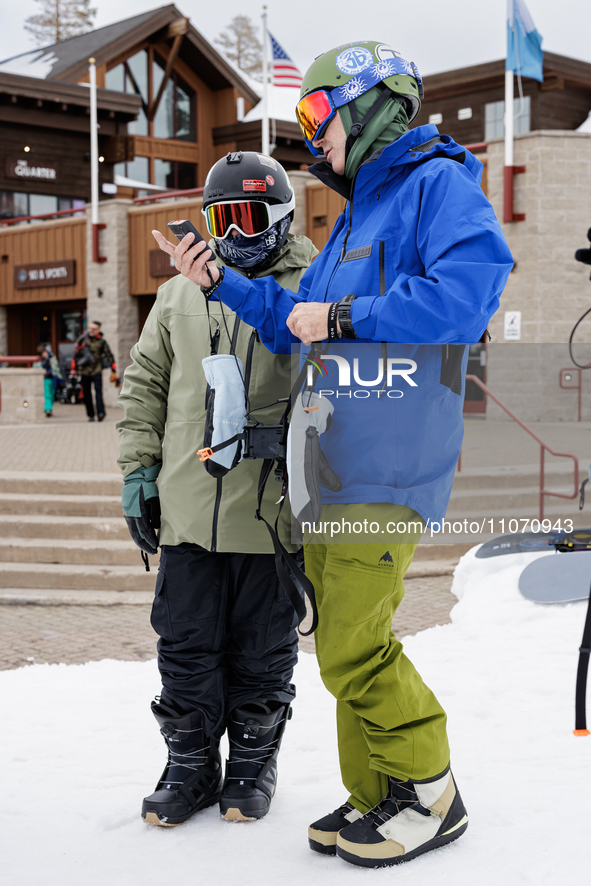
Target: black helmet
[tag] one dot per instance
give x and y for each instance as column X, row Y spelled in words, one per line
column 249, row 196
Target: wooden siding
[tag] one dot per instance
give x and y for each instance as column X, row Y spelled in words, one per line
column 323, row 207
column 50, row 241
column 142, row 221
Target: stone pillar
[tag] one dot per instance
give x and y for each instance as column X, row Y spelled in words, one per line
column 108, row 298
column 548, row 286
column 3, row 331
column 21, row 396
column 299, row 181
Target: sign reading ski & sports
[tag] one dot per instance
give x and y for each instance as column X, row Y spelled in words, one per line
column 48, row 273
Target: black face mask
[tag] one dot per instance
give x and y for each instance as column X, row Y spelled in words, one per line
column 252, row 252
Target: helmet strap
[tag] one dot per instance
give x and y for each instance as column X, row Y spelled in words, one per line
column 358, row 126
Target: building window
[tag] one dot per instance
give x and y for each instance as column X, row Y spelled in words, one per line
column 494, row 113
column 15, row 205
column 138, row 170
column 132, row 77
column 436, row 119
column 177, row 176
column 465, row 114
column 176, row 113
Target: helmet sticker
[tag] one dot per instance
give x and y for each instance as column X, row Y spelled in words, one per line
column 253, row 185
column 270, row 180
column 266, row 161
column 383, row 52
column 353, row 88
column 354, row 60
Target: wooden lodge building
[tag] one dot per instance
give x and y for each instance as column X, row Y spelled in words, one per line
column 170, row 106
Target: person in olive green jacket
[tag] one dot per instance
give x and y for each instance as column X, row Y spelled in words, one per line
column 227, row 643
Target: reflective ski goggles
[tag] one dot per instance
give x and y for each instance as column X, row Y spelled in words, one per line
column 314, row 112
column 249, row 217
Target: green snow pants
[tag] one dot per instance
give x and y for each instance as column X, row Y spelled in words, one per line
column 389, row 723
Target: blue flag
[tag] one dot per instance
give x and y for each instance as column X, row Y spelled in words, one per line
column 524, row 44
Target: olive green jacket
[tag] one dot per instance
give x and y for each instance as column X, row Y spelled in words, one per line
column 164, row 393
column 99, row 348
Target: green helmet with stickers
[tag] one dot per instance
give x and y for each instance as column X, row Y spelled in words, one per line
column 354, row 68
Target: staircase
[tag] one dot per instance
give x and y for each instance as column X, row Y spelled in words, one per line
column 63, row 539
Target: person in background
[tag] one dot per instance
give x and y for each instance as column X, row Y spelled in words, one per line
column 52, row 379
column 91, row 355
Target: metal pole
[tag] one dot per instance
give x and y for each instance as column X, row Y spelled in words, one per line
column 265, row 121
column 94, row 167
column 94, row 172
column 509, row 127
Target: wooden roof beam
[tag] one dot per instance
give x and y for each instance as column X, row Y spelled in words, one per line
column 167, row 72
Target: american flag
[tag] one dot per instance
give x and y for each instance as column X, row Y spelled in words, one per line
column 285, row 72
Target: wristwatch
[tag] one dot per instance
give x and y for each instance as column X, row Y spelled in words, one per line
column 344, row 316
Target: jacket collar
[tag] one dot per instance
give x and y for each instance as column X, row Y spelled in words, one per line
column 413, row 147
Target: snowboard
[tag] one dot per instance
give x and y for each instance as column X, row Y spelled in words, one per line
column 560, row 578
column 524, row 542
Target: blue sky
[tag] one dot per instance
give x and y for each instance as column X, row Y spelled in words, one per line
column 437, row 36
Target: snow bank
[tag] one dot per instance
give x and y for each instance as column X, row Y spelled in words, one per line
column 80, row 749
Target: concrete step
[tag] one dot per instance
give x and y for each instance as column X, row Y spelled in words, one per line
column 472, row 500
column 61, row 505
column 58, row 597
column 60, row 483
column 556, row 473
column 75, row 577
column 73, row 551
column 73, row 528
column 427, row 550
column 423, row 568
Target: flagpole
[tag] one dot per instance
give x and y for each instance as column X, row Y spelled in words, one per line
column 509, row 127
column 265, row 121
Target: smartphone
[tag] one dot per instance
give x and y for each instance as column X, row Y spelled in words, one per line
column 180, row 227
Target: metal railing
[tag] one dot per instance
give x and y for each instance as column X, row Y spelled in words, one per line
column 543, row 448
column 27, row 362
column 168, row 195
column 44, row 215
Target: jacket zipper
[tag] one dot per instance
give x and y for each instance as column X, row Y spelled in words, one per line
column 215, row 344
column 344, row 249
column 253, row 338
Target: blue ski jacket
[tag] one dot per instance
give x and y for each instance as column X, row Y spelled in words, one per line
column 420, row 247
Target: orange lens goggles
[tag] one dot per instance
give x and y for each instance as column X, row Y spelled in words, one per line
column 249, row 217
column 314, row 112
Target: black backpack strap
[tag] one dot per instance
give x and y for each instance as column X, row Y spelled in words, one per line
column 582, row 671
column 293, row 581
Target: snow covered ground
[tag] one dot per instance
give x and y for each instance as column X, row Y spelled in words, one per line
column 79, row 750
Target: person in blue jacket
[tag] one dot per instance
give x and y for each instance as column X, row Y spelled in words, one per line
column 410, row 276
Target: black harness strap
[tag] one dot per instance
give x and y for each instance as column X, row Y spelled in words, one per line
column 582, row 671
column 292, row 579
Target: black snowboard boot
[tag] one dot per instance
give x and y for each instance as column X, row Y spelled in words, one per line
column 322, row 834
column 254, row 732
column 192, row 778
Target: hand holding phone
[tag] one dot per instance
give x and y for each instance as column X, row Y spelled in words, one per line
column 181, row 227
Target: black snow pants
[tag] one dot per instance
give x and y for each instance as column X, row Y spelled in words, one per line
column 227, row 631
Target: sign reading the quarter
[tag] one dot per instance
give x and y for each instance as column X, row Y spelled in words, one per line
column 48, row 273
column 24, row 170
